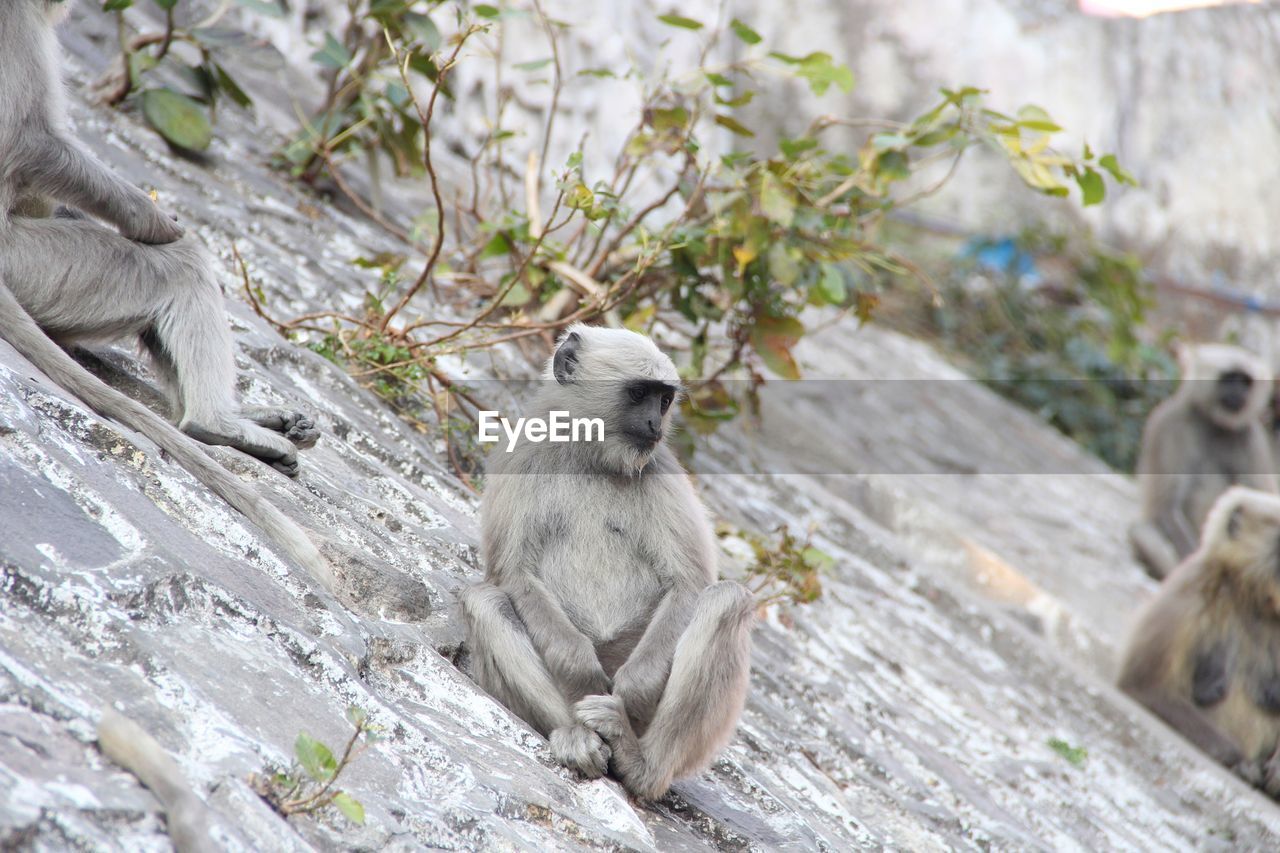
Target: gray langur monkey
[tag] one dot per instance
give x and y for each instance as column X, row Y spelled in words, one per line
column 1205, row 652
column 82, row 281
column 74, row 279
column 600, row 621
column 1207, row 437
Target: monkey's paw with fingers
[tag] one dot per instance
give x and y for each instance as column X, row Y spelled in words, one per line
column 295, row 426
column 580, row 749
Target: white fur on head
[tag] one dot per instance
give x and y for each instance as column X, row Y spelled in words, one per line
column 1202, row 364
column 603, row 361
column 1242, row 532
column 56, row 10
column 620, row 354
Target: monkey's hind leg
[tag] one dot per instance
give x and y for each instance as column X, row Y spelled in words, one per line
column 700, row 706
column 508, row 668
column 1153, row 550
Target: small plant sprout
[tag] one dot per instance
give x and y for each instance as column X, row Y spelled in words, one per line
column 789, row 571
column 309, row 785
column 1076, row 755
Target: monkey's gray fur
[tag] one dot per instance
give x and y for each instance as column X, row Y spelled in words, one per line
column 82, row 281
column 75, row 279
column 1205, row 438
column 192, row 824
column 1205, row 653
column 600, row 621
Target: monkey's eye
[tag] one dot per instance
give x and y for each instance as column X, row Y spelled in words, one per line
column 666, row 401
column 637, row 393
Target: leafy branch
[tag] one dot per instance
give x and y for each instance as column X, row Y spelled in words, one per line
column 309, row 784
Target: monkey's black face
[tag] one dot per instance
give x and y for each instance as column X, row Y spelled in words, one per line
column 1233, row 390
column 644, row 409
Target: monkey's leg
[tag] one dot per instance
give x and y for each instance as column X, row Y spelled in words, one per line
column 510, row 670
column 1152, row 549
column 80, row 280
column 700, row 706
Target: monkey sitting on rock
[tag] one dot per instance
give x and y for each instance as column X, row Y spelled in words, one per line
column 600, row 621
column 1205, row 653
column 1204, row 439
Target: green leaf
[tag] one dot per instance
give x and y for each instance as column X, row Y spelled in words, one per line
column 178, row 119
column 351, row 808
column 518, row 295
column 744, row 32
column 893, row 166
column 357, row 715
column 424, row 30
column 819, row 69
column 733, row 125
column 1034, row 118
column 486, row 11
column 314, row 758
column 718, row 79
column 772, row 338
column 681, row 22
column 739, row 101
column 333, row 54
column 270, row 8
column 533, row 65
column 601, row 73
column 166, row 4
column 831, row 284
column 232, row 89
column 793, row 148
column 497, row 246
column 671, row 118
column 1109, row 162
column 776, row 201
column 1091, row 186
column 116, row 5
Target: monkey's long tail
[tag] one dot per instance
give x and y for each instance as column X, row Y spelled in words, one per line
column 25, row 335
column 191, row 822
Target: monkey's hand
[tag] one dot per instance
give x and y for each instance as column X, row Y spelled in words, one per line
column 580, row 749
column 144, row 222
column 639, row 683
column 576, row 667
column 1262, row 773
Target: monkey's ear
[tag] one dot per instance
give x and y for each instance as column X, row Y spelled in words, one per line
column 566, row 360
column 1234, row 521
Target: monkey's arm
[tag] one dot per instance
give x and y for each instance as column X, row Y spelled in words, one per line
column 1261, row 475
column 57, row 166
column 640, row 681
column 1192, row 724
column 568, row 653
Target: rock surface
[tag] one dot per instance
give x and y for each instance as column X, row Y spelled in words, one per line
column 980, row 590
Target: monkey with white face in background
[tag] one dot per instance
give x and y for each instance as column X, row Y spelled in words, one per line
column 1205, row 653
column 1198, row 443
column 600, row 621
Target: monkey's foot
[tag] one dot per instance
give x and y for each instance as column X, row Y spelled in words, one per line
column 248, row 437
column 605, row 716
column 295, row 426
column 580, row 749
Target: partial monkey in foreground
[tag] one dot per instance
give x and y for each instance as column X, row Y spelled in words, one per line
column 600, row 621
column 68, row 278
column 1207, row 437
column 1205, row 653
